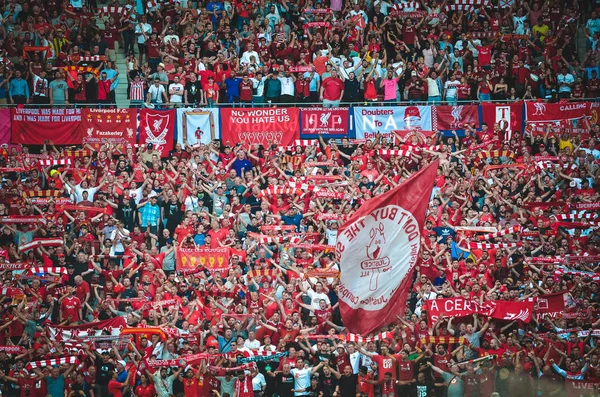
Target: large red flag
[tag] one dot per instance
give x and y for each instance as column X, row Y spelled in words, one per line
column 378, row 249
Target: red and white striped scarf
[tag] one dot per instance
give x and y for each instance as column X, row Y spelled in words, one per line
column 488, row 246
column 544, row 165
column 306, row 142
column 53, row 362
column 114, row 10
column 572, row 217
column 576, row 273
column 49, row 269
column 459, row 7
column 500, row 233
column 53, row 162
column 360, row 339
column 406, row 5
column 45, row 242
column 263, row 238
column 275, row 190
column 396, row 153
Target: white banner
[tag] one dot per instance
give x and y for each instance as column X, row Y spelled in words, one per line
column 200, row 125
column 368, row 121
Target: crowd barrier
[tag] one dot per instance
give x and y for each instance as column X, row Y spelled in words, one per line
column 278, row 125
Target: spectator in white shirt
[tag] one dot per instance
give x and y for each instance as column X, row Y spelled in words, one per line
column 176, row 91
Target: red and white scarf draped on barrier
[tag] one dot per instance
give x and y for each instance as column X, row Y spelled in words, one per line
column 52, row 162
column 49, row 269
column 500, row 233
column 45, row 242
column 489, row 246
column 360, row 339
column 53, row 362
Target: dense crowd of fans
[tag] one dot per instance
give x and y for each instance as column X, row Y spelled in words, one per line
column 270, row 325
column 183, row 52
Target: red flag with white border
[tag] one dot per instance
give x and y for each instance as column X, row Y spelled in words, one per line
column 378, row 249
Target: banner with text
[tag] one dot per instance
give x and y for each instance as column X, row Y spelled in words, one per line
column 368, row 121
column 4, row 126
column 546, row 112
column 459, row 307
column 332, row 122
column 509, row 116
column 113, row 126
column 35, row 126
column 260, row 125
column 158, row 128
column 196, row 126
column 211, row 259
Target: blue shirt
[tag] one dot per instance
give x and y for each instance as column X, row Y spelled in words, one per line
column 199, row 239
column 292, row 220
column 18, row 87
column 232, row 86
column 110, row 73
column 214, row 6
column 56, row 387
column 239, row 164
column 313, row 83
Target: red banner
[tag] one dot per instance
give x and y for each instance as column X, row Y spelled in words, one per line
column 260, row 125
column 4, row 126
column 158, row 128
column 114, row 126
column 378, row 249
column 34, row 126
column 459, row 307
column 326, row 121
column 455, row 117
column 212, row 259
column 553, row 305
column 509, row 116
column 541, row 111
